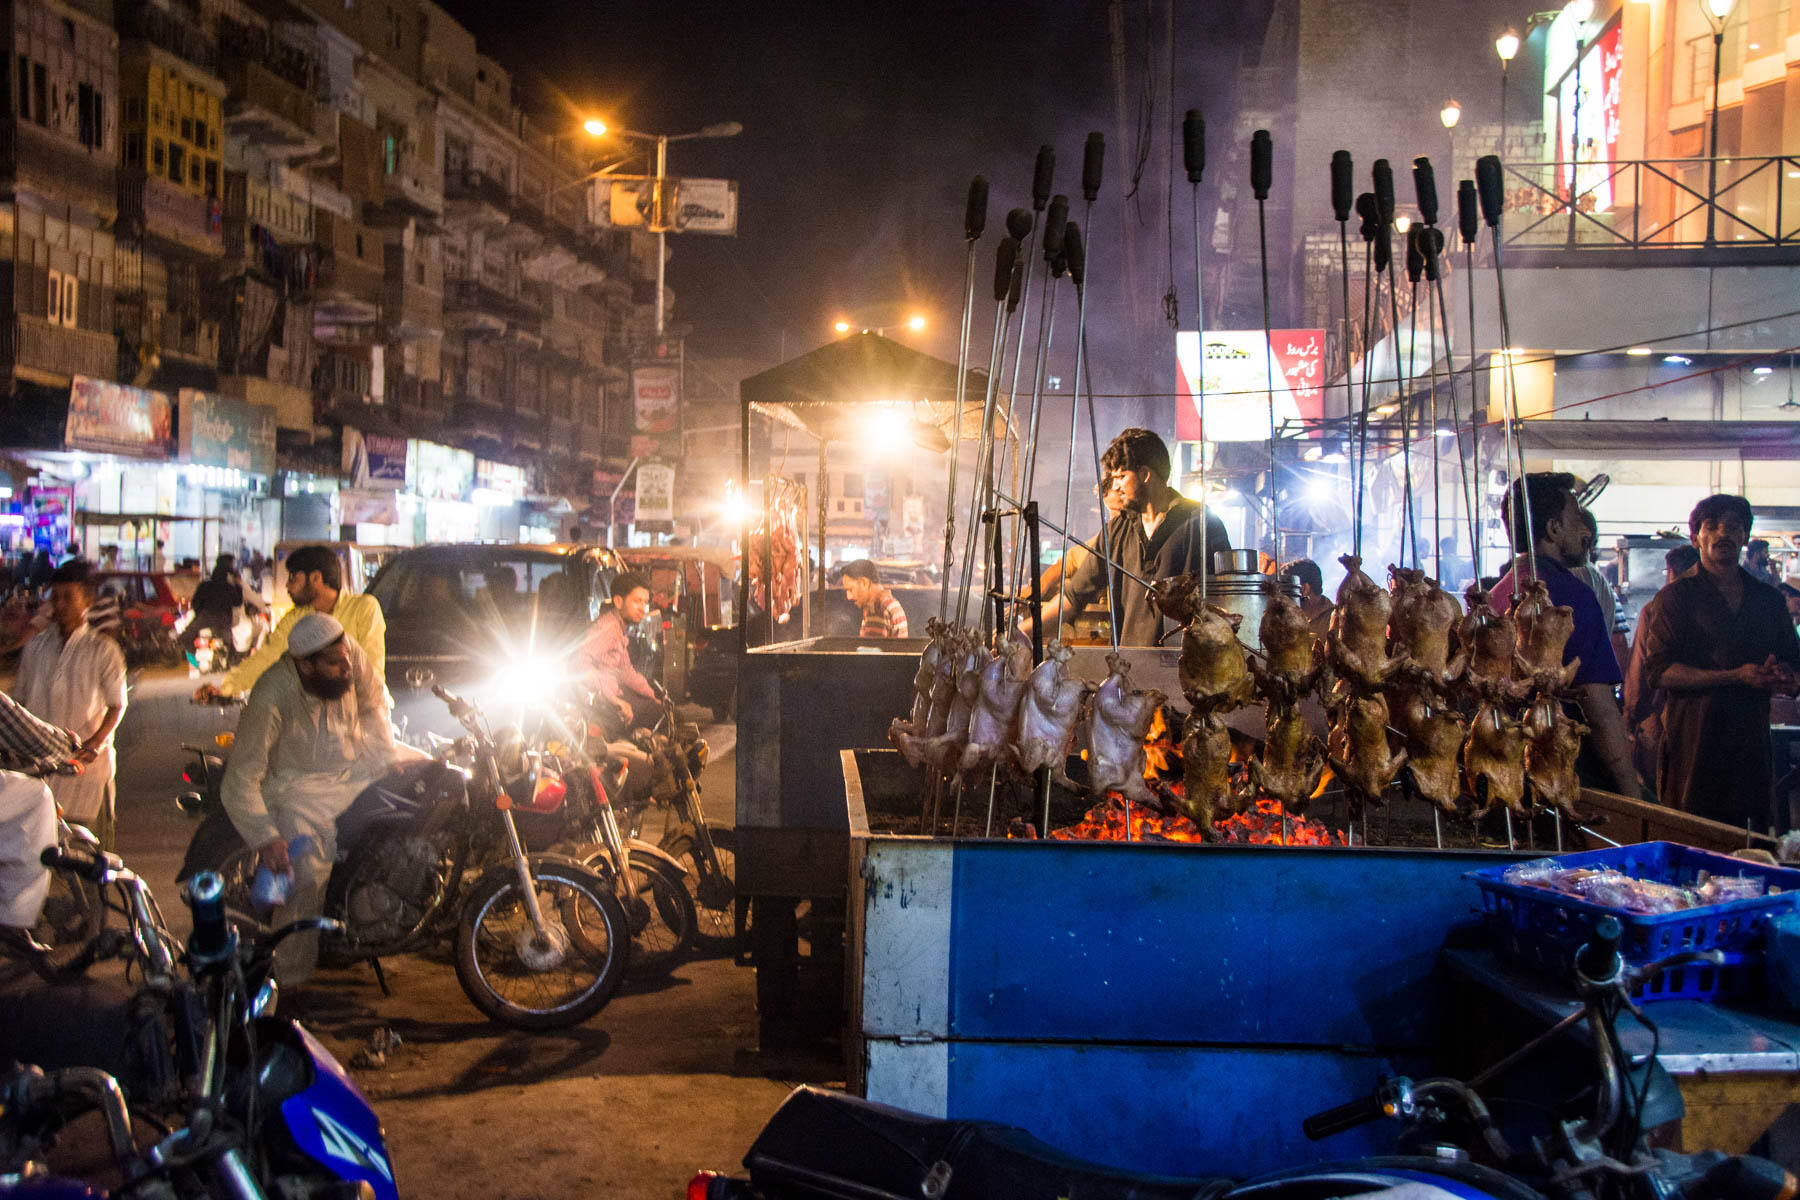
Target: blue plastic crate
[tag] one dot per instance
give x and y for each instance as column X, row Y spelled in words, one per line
column 1541, row 929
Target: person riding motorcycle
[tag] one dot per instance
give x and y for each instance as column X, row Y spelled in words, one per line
column 605, row 661
column 28, row 748
column 314, row 580
column 313, row 734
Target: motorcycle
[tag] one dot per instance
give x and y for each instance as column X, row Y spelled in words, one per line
column 432, row 851
column 251, row 1105
column 822, row 1144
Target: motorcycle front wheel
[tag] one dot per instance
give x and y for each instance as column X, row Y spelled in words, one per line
column 711, row 887
column 561, row 978
column 661, row 915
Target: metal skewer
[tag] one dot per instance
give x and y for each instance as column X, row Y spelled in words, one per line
column 1193, row 158
column 1042, row 171
column 1415, row 269
column 1489, row 188
column 1342, row 201
column 1371, row 236
column 1467, row 218
column 1430, row 241
column 1262, row 170
column 1054, row 265
column 974, row 221
column 1006, row 265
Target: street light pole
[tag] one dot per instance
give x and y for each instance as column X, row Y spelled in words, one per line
column 1506, row 46
column 1717, row 13
column 1450, row 114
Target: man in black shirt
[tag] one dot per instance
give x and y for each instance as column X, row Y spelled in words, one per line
column 1158, row 534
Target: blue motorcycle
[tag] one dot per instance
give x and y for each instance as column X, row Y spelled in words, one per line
column 255, row 1105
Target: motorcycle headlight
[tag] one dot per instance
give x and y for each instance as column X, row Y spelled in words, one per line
column 524, row 682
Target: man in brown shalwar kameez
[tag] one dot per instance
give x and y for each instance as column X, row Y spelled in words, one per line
column 1718, row 642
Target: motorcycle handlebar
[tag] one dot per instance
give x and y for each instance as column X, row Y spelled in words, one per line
column 1344, row 1117
column 1598, row 960
column 211, row 940
column 103, row 868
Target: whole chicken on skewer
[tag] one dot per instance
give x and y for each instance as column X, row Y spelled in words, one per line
column 959, row 685
column 1544, row 630
column 1212, row 670
column 1494, row 760
column 1553, row 741
column 1121, row 717
column 1434, row 740
column 1357, row 644
column 994, row 727
column 1421, row 624
column 1205, row 769
column 1292, row 656
column 1489, row 640
column 1358, row 749
column 923, row 680
column 1290, row 766
column 1048, row 711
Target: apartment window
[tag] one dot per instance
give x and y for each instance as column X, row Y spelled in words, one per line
column 177, row 162
column 40, row 94
column 134, row 150
column 156, row 156
column 24, row 88
column 200, row 137
column 359, row 245
column 194, row 170
column 393, row 20
column 212, row 178
column 62, row 300
column 134, row 109
column 87, row 108
column 187, row 129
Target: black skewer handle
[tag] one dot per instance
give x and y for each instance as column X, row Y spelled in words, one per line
column 1425, row 185
column 1262, row 163
column 1054, row 221
column 1468, row 211
column 1383, row 175
column 1343, row 188
column 1093, row 158
column 1075, row 253
column 1490, row 187
column 1020, row 223
column 1040, row 177
column 975, row 214
column 1371, row 217
column 1004, row 260
column 1193, row 144
column 1415, row 253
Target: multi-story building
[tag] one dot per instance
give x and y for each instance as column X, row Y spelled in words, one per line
column 328, row 218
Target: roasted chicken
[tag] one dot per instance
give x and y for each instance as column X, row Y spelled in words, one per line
column 1115, row 738
column 1212, row 670
column 994, row 727
column 1434, row 739
column 1178, row 597
column 1358, row 748
column 1357, row 644
column 1205, row 768
column 1494, row 759
column 1048, row 711
column 1292, row 658
column 1544, row 630
column 1423, row 619
column 1290, row 766
column 1488, row 640
column 1553, row 739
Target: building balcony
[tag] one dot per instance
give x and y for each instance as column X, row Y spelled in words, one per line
column 473, row 200
column 476, row 307
column 37, row 350
column 138, row 20
column 412, row 311
column 413, row 398
column 351, row 279
column 269, row 111
column 412, row 189
column 40, row 162
column 154, row 208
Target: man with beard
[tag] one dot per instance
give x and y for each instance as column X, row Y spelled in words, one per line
column 1718, row 642
column 313, row 734
column 315, row 580
column 1157, row 534
column 1558, row 539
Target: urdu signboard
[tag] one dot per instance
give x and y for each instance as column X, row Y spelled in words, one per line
column 1236, row 372
column 224, row 431
column 112, row 418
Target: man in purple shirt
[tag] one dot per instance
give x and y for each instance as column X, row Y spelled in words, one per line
column 1558, row 540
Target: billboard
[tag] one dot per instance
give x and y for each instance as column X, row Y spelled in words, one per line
column 440, row 472
column 374, row 460
column 112, row 418
column 704, row 206
column 656, row 396
column 655, row 494
column 1237, row 387
column 223, row 431
column 690, row 205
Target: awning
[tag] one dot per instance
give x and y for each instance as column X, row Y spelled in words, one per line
column 1752, row 441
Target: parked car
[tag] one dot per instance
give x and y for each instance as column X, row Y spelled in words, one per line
column 691, row 633
column 149, row 608
column 495, row 622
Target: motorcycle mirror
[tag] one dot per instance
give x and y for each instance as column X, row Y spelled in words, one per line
column 263, row 1003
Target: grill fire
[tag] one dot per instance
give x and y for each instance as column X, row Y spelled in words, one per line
column 1262, row 825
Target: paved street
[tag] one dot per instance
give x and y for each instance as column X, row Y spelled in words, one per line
column 662, row 1081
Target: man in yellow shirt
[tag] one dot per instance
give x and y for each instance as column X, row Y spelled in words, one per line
column 314, row 576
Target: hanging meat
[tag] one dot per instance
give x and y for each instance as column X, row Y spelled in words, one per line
column 1423, row 619
column 1205, row 769
column 1553, row 739
column 1212, row 670
column 1494, row 760
column 1292, row 657
column 1358, row 748
column 914, row 723
column 1121, row 717
column 1178, row 597
column 994, row 728
column 1434, row 736
column 1357, row 644
column 953, row 695
column 1544, row 630
column 1048, row 711
column 1488, row 641
column 1290, row 766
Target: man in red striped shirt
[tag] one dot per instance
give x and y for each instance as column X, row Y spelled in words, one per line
column 882, row 615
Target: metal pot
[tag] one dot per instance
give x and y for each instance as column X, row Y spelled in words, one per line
column 1236, row 586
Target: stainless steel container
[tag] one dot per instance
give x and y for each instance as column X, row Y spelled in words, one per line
column 1238, row 587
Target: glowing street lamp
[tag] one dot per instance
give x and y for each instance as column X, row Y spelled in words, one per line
column 1450, row 114
column 1717, row 12
column 1507, row 47
column 594, row 128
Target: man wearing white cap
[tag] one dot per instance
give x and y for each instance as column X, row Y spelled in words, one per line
column 313, row 734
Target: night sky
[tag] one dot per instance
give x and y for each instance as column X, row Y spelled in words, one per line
column 862, row 127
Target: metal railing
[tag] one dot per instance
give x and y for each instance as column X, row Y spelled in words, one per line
column 1654, row 204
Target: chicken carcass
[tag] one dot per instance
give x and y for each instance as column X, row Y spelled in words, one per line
column 1121, row 717
column 1488, row 641
column 1544, row 630
column 1212, row 670
column 953, row 696
column 1290, row 766
column 1494, row 759
column 994, row 727
column 1357, row 643
column 1292, row 659
column 1553, row 739
column 923, row 679
column 1047, row 714
column 1205, row 769
column 1358, row 748
column 1178, row 597
column 1434, row 740
column 1423, row 618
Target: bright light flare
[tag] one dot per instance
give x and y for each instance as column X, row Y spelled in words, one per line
column 916, row 322
column 525, row 681
column 594, row 127
column 841, row 326
column 886, row 431
column 1450, row 114
column 1507, row 46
